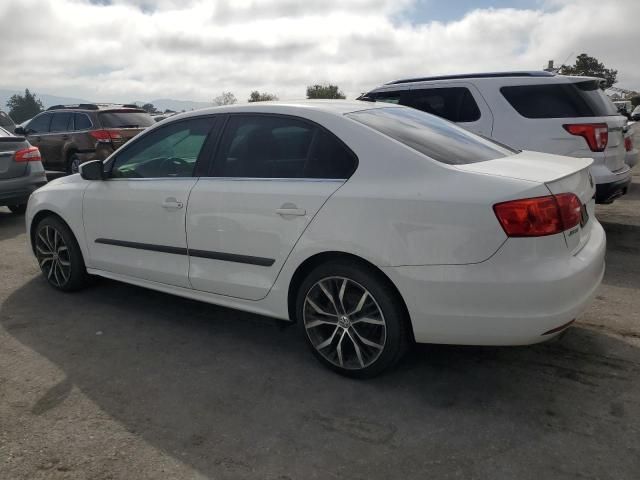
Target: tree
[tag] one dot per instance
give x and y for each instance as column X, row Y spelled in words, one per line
column 256, row 96
column 24, row 107
column 324, row 91
column 591, row 67
column 226, row 98
column 149, row 108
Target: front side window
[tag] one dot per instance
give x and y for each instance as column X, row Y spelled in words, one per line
column 170, row 151
column 40, row 124
column 272, row 146
column 60, row 122
column 434, row 137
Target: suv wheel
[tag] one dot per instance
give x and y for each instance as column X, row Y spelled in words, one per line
column 73, row 164
column 59, row 255
column 19, row 209
column 352, row 319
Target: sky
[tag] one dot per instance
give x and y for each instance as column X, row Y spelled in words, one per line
column 121, row 50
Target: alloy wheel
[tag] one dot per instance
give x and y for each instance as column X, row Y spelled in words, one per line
column 344, row 323
column 53, row 255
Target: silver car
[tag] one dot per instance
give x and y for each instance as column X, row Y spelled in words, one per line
column 21, row 171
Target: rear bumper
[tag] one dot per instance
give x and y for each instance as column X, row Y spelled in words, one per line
column 608, row 192
column 631, row 158
column 16, row 191
column 517, row 297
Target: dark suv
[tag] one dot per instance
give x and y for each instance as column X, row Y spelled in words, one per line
column 68, row 135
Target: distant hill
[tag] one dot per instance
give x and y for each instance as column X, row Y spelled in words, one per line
column 161, row 104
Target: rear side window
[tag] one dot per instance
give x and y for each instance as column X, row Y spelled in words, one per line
column 560, row 100
column 82, row 122
column 456, row 103
column 272, row 146
column 125, row 119
column 453, row 103
column 40, row 124
column 432, row 136
column 6, row 122
column 60, row 122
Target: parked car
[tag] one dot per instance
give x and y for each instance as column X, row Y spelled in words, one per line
column 6, row 122
column 68, row 135
column 538, row 111
column 635, row 115
column 370, row 225
column 631, row 158
column 21, row 171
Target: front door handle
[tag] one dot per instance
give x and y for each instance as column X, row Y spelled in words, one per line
column 172, row 203
column 290, row 209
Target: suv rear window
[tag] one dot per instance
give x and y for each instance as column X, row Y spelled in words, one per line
column 5, row 121
column 560, row 100
column 125, row 119
column 432, row 136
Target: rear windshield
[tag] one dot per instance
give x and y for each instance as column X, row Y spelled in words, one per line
column 124, row 119
column 4, row 133
column 560, row 100
column 434, row 137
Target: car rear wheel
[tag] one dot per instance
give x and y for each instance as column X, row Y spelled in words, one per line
column 19, row 209
column 352, row 319
column 59, row 255
column 73, row 165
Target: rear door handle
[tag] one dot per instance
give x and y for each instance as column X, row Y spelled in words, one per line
column 291, row 211
column 172, row 203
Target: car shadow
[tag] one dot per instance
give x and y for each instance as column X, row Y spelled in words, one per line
column 11, row 224
column 236, row 395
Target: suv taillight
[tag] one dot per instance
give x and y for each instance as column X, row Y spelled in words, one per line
column 539, row 216
column 106, row 135
column 31, row 154
column 596, row 134
column 628, row 143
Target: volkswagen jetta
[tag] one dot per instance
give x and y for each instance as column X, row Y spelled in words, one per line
column 369, row 225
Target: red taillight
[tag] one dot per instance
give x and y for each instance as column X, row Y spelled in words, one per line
column 596, row 134
column 31, row 154
column 539, row 216
column 106, row 135
column 628, row 143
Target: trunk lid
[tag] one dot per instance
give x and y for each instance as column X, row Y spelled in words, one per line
column 559, row 174
column 9, row 168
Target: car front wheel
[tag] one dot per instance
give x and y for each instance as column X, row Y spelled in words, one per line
column 352, row 319
column 59, row 255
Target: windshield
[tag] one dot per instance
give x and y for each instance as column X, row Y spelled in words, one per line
column 434, row 137
column 125, row 119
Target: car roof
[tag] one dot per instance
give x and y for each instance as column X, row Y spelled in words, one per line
column 335, row 107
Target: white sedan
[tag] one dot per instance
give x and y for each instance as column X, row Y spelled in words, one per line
column 369, row 225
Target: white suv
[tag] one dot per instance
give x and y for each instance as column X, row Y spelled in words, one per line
column 537, row 111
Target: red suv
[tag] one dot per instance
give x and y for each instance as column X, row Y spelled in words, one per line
column 68, row 135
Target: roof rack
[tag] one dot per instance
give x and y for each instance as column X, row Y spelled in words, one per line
column 93, row 106
column 475, row 75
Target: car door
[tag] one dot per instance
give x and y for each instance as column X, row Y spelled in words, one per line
column 135, row 219
column 53, row 142
column 272, row 174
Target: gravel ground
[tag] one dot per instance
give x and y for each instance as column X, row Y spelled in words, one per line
column 117, row 382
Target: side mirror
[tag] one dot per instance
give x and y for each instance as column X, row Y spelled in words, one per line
column 20, row 130
column 92, row 170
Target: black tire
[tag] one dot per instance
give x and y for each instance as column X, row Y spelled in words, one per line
column 76, row 277
column 72, row 163
column 381, row 296
column 18, row 209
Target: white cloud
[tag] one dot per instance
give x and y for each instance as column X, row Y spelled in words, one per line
column 121, row 50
